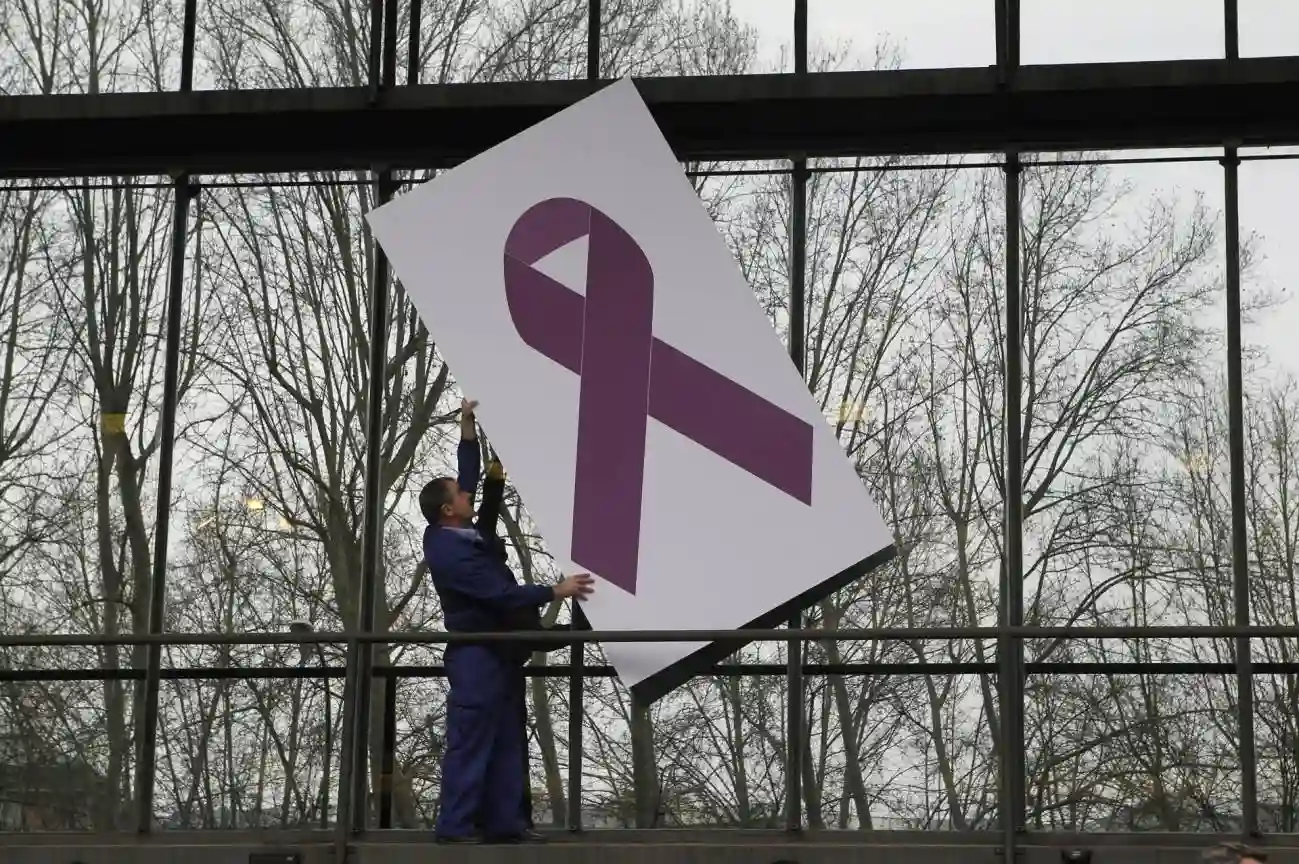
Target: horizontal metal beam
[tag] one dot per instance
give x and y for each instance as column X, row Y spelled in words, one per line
column 189, row 841
column 566, row 637
column 723, row 670
column 1182, row 103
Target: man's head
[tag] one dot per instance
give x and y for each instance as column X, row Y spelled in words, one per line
column 443, row 502
column 1233, row 853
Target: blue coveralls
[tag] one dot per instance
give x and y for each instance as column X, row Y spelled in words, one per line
column 482, row 766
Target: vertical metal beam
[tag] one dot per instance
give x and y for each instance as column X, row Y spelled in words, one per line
column 1010, row 36
column 576, row 710
column 327, row 765
column 1010, row 649
column 182, row 192
column 353, row 809
column 413, row 48
column 577, row 650
column 796, row 689
column 354, row 774
column 187, row 46
column 800, row 37
column 1236, row 440
column 148, row 739
column 388, row 746
column 1231, row 28
column 374, row 82
column 1239, row 515
column 389, row 78
column 593, row 40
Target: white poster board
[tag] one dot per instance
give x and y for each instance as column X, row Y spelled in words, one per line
column 637, row 393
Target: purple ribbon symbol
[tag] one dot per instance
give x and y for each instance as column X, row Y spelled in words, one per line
column 628, row 376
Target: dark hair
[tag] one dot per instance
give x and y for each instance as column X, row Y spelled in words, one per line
column 435, row 495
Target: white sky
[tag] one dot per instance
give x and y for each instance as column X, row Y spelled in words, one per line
column 941, row 33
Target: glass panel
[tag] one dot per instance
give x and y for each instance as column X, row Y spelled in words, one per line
column 1268, row 28
column 107, row 47
column 67, row 747
column 266, row 530
column 1110, row 31
column 267, row 513
column 920, row 34
column 750, row 206
column 1271, row 367
column 247, row 754
column 697, row 37
column 887, row 752
column 286, row 45
column 1132, row 752
column 1123, row 294
column 83, row 288
column 1276, row 728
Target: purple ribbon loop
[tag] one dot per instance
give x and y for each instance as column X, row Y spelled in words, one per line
column 628, row 376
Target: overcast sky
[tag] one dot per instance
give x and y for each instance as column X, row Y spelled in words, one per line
column 939, row 33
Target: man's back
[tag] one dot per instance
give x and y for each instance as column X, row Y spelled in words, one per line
column 478, row 591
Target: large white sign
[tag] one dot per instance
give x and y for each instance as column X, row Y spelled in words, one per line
column 653, row 422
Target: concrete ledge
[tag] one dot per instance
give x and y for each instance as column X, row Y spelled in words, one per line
column 619, row 847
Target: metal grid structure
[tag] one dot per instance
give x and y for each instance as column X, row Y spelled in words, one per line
column 1007, row 109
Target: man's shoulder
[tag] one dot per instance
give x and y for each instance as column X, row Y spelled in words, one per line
column 443, row 546
column 439, row 543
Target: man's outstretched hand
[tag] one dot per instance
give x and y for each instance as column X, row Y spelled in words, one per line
column 468, row 429
column 579, row 586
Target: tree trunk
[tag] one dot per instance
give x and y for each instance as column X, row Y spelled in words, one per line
column 644, row 767
column 541, row 708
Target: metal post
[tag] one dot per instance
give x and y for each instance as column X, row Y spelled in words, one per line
column 576, row 686
column 187, row 46
column 389, row 78
column 1010, row 649
column 376, row 48
column 182, row 192
column 1239, row 526
column 388, row 747
column 593, row 40
column 1236, row 439
column 1231, row 28
column 797, row 350
column 354, row 770
column 146, row 751
column 326, row 766
column 412, row 50
column 353, row 797
column 577, row 650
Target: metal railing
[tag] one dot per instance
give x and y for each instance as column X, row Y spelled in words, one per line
column 364, row 806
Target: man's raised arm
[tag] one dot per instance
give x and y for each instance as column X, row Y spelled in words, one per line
column 469, row 459
column 489, row 508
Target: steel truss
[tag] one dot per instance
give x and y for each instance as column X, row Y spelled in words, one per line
column 1008, row 109
column 1180, row 103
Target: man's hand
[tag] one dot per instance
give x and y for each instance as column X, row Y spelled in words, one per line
column 468, row 428
column 579, row 586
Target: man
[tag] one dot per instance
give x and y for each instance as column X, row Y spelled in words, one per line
column 1233, row 853
column 482, row 765
column 529, row 618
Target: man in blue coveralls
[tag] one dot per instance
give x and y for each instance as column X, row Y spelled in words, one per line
column 482, row 765
column 490, row 505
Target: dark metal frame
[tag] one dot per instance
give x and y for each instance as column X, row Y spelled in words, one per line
column 1178, row 103
column 1228, row 103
